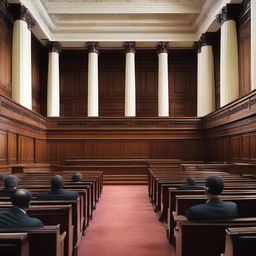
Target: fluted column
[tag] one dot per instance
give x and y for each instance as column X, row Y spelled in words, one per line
column 93, row 91
column 130, row 89
column 206, row 83
column 163, row 90
column 253, row 44
column 53, row 82
column 229, row 77
column 21, row 59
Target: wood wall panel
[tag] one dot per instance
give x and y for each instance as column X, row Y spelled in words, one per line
column 5, row 57
column 182, row 83
column 3, row 147
column 12, row 148
column 52, row 151
column 26, row 149
column 41, row 155
column 244, row 45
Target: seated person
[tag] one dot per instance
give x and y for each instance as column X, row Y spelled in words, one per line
column 17, row 217
column 10, row 183
column 191, row 185
column 77, row 177
column 214, row 208
column 57, row 192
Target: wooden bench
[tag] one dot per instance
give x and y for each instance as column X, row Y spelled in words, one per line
column 240, row 241
column 204, row 238
column 42, row 241
column 14, row 244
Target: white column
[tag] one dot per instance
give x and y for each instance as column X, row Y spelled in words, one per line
column 253, row 44
column 53, row 83
column 163, row 90
column 130, row 88
column 199, row 87
column 21, row 64
column 207, row 81
column 93, row 104
column 229, row 77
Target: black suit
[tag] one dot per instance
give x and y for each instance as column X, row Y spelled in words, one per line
column 190, row 187
column 213, row 209
column 58, row 194
column 7, row 192
column 16, row 218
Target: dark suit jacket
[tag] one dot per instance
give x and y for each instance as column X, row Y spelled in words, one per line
column 213, row 209
column 7, row 192
column 190, row 187
column 15, row 218
column 58, row 194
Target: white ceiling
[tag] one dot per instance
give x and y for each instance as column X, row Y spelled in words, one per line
column 111, row 22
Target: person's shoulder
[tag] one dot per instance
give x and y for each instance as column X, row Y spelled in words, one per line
column 34, row 222
column 230, row 204
column 71, row 193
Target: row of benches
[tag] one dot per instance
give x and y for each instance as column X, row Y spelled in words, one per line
column 69, row 218
column 197, row 238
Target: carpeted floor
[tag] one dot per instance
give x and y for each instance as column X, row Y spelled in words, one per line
column 124, row 224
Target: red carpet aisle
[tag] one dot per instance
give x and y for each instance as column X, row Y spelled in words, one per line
column 125, row 224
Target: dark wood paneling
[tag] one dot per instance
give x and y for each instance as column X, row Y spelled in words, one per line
column 26, row 149
column 12, row 148
column 41, row 155
column 182, row 83
column 3, row 147
column 244, row 45
column 5, row 57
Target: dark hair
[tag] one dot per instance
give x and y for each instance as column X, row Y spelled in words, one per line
column 11, row 181
column 191, row 181
column 214, row 185
column 21, row 198
column 76, row 177
column 57, row 182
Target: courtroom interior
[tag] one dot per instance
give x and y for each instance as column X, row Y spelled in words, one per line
column 114, row 105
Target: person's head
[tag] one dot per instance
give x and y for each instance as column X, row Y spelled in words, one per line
column 57, row 182
column 11, row 181
column 77, row 177
column 21, row 199
column 214, row 185
column 191, row 181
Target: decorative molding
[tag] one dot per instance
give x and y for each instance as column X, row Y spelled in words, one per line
column 129, row 46
column 25, row 15
column 92, row 47
column 162, row 47
column 228, row 12
column 54, row 47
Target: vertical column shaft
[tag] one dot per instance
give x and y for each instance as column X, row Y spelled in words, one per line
column 130, row 88
column 21, row 63
column 163, row 88
column 93, row 94
column 53, row 84
column 229, row 76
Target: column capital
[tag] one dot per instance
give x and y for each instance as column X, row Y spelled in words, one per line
column 129, row 46
column 92, row 47
column 207, row 38
column 162, row 47
column 54, row 46
column 228, row 12
column 197, row 46
column 24, row 14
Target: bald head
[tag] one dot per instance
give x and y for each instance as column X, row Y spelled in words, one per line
column 21, row 198
column 57, row 182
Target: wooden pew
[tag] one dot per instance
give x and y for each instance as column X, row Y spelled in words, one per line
column 53, row 215
column 14, row 244
column 42, row 241
column 204, row 238
column 246, row 206
column 240, row 241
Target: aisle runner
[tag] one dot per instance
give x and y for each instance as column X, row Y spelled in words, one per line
column 124, row 224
